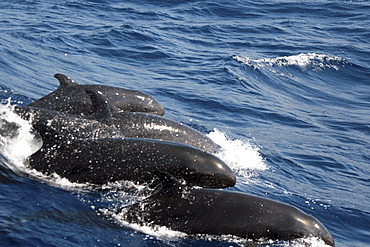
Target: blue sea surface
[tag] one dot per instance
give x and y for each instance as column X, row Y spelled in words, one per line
column 283, row 86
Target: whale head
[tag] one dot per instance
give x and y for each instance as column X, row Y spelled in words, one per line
column 288, row 222
column 134, row 101
column 310, row 226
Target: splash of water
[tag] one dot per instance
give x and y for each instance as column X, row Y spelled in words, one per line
column 241, row 156
column 17, row 141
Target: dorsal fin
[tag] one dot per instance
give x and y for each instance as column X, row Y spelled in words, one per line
column 65, row 81
column 101, row 109
column 167, row 181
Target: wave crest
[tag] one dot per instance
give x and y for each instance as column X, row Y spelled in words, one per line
column 303, row 60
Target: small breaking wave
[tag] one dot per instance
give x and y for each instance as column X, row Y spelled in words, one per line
column 303, row 60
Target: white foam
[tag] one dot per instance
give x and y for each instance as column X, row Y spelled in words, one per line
column 304, row 242
column 17, row 146
column 303, row 60
column 160, row 232
column 241, row 156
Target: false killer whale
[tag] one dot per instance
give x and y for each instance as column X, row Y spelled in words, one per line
column 149, row 126
column 71, row 97
column 219, row 212
column 140, row 125
column 66, row 125
column 104, row 160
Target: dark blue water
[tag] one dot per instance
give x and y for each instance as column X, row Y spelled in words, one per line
column 286, row 85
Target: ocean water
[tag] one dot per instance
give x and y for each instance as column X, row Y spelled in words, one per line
column 282, row 86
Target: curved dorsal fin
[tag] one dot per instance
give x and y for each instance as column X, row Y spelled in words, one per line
column 101, row 109
column 65, row 81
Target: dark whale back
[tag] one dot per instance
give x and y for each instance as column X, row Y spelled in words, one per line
column 103, row 160
column 139, row 125
column 66, row 125
column 220, row 212
column 69, row 126
column 71, row 97
column 128, row 109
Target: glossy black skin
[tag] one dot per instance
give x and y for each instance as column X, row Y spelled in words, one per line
column 220, row 212
column 72, row 144
column 100, row 161
column 71, row 97
column 139, row 125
